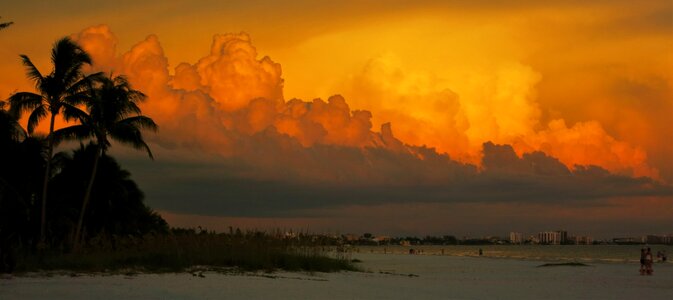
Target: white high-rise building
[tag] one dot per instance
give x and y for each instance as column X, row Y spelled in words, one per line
column 553, row 237
column 516, row 237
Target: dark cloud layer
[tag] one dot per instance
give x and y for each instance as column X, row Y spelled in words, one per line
column 216, row 185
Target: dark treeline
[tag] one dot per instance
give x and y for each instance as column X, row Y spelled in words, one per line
column 54, row 202
column 368, row 239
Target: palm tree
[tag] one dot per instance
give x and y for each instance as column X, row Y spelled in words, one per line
column 116, row 206
column 59, row 91
column 113, row 113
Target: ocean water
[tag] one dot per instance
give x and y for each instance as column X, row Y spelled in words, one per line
column 561, row 253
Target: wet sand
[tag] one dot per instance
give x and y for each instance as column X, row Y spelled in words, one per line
column 391, row 276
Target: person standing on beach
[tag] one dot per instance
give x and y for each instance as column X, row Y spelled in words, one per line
column 648, row 262
column 643, row 254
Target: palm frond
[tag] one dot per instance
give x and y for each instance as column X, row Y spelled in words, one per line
column 75, row 132
column 31, row 71
column 78, row 99
column 122, row 83
column 85, row 84
column 37, row 115
column 128, row 134
column 131, row 108
column 73, row 113
column 23, row 101
column 142, row 122
column 141, row 145
column 136, row 96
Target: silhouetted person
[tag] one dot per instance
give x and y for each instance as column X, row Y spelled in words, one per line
column 648, row 262
column 643, row 255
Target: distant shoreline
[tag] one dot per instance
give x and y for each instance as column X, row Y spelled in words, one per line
column 546, row 253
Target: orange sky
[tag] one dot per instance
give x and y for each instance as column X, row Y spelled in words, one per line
column 586, row 83
column 465, row 73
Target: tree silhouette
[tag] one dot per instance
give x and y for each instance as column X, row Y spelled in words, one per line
column 59, row 91
column 113, row 113
column 116, row 206
column 22, row 161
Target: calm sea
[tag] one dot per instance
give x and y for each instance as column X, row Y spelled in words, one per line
column 578, row 253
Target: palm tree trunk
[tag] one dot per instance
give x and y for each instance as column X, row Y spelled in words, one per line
column 85, row 203
column 45, row 183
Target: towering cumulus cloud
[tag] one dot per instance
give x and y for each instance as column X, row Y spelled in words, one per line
column 266, row 155
column 498, row 106
column 232, row 75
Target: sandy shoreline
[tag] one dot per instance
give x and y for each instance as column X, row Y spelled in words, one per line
column 391, row 276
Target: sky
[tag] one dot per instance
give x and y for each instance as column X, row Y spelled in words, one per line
column 470, row 118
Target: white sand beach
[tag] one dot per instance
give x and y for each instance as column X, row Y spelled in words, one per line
column 391, row 276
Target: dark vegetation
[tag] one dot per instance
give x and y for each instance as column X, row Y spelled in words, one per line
column 182, row 249
column 79, row 209
column 368, row 239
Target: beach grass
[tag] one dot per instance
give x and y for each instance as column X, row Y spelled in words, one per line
column 179, row 252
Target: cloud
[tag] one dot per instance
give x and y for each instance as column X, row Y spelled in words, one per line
column 286, row 179
column 588, row 143
column 499, row 104
column 229, row 144
column 228, row 95
column 101, row 44
column 423, row 111
column 503, row 159
column 232, row 75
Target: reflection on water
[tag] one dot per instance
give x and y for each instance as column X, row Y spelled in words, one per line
column 580, row 253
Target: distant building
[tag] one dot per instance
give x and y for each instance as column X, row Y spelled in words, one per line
column 533, row 239
column 657, row 239
column 553, row 237
column 581, row 240
column 516, row 238
column 563, row 236
column 668, row 239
